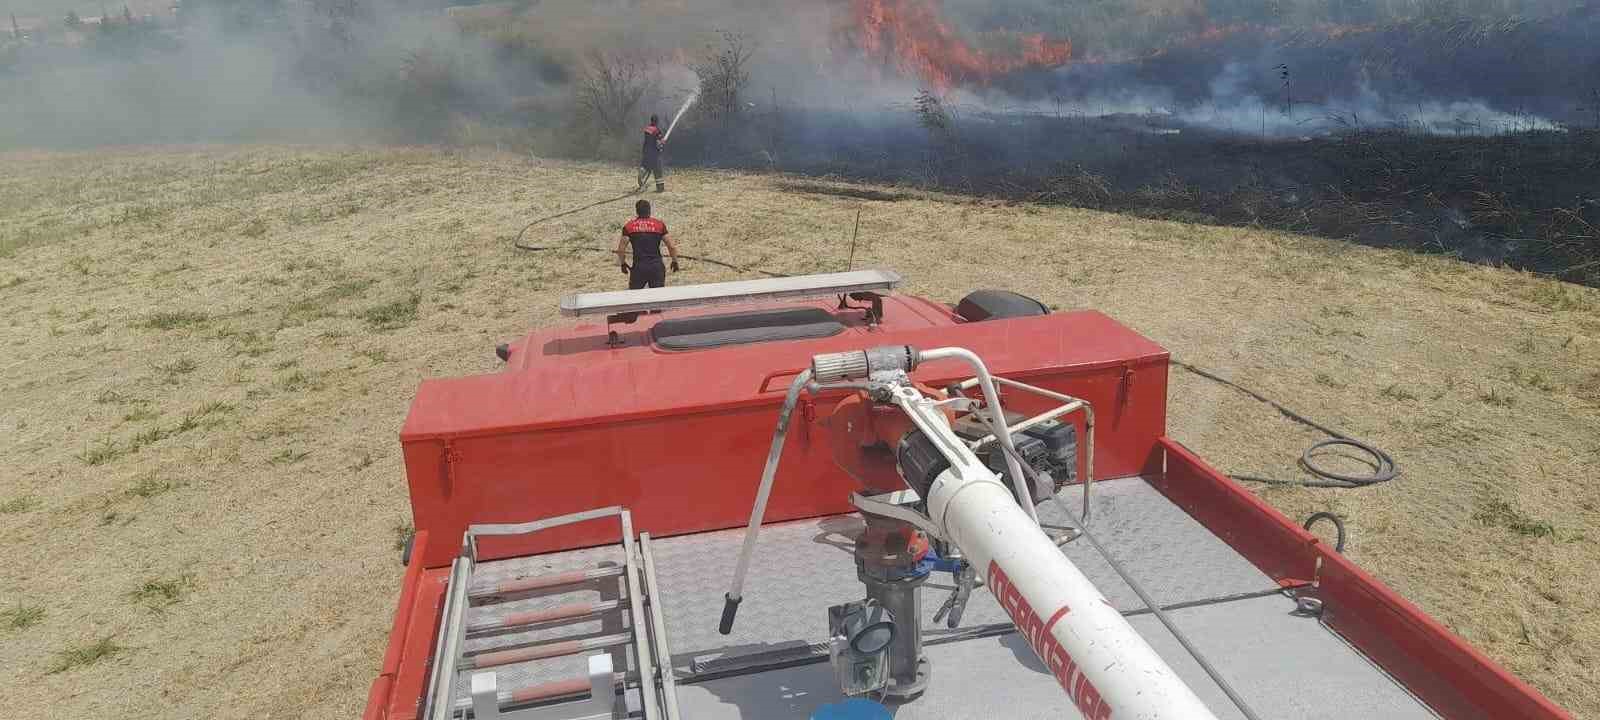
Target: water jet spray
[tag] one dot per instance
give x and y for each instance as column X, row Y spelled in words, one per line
column 693, row 96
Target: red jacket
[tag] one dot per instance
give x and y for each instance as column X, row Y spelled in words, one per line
column 652, row 142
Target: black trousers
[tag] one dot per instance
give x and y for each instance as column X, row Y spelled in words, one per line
column 647, row 274
column 652, row 166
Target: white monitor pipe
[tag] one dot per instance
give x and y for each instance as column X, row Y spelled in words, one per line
column 1105, row 666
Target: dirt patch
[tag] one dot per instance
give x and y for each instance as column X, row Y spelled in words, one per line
column 208, row 354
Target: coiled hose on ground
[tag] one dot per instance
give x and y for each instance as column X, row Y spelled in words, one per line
column 1383, row 466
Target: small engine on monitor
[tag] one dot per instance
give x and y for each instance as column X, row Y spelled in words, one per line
column 1049, row 447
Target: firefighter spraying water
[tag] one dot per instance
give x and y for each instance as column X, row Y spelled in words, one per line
column 655, row 141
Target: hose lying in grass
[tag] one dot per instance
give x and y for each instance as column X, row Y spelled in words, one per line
column 573, row 211
column 590, row 248
column 1383, row 467
column 681, row 256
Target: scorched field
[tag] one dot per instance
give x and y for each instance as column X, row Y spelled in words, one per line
column 207, row 354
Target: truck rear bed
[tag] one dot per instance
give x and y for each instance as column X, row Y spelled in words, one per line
column 578, row 422
column 1285, row 665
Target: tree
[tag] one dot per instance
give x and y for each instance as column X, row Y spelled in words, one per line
column 945, row 150
column 339, row 18
column 610, row 88
column 724, row 74
column 931, row 115
column 73, row 21
column 1592, row 104
column 432, row 90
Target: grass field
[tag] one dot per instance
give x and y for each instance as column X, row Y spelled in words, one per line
column 207, row 354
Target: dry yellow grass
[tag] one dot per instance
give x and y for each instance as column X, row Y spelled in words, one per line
column 207, row 354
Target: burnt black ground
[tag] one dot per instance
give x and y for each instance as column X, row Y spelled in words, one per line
column 1528, row 200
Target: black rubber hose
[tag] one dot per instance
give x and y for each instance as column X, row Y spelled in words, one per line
column 681, row 256
column 712, row 261
column 573, row 211
column 1383, row 465
column 1338, row 525
column 1384, row 468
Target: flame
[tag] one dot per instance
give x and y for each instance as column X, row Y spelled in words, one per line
column 911, row 35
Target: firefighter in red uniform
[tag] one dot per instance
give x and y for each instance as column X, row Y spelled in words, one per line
column 646, row 234
column 650, row 157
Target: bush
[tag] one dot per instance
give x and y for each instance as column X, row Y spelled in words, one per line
column 431, row 88
column 724, row 74
column 610, row 87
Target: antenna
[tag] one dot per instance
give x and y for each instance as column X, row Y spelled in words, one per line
column 851, row 264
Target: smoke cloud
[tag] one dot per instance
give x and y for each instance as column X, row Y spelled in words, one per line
column 368, row 69
column 1449, row 75
column 307, row 72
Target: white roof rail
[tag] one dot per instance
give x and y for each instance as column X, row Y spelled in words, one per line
column 684, row 296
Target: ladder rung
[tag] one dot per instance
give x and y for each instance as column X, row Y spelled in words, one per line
column 554, row 689
column 549, row 691
column 543, row 582
column 516, row 621
column 546, row 650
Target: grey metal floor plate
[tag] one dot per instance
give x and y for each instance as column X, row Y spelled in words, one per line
column 1289, row 667
column 801, row 568
column 1284, row 666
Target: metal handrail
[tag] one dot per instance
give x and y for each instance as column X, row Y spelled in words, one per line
column 658, row 624
column 649, row 646
column 997, row 421
column 1069, row 405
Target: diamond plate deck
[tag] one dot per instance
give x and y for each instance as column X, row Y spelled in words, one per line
column 1287, row 666
column 1284, row 666
column 801, row 568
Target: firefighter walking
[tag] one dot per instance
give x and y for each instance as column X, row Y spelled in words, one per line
column 646, row 234
column 650, row 156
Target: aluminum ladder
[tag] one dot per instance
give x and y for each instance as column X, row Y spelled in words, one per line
column 595, row 696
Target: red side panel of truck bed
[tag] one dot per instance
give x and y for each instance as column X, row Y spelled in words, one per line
column 1440, row 668
column 680, row 438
